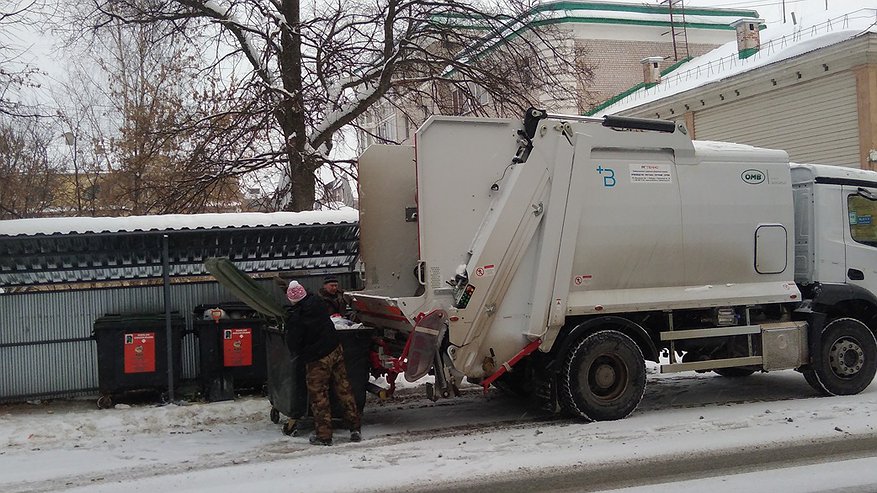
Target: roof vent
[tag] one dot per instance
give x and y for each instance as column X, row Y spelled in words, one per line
column 748, row 36
column 652, row 69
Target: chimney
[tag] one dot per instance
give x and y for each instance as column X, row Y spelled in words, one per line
column 652, row 69
column 748, row 36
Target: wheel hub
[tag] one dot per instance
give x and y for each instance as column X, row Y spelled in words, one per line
column 604, row 376
column 607, row 377
column 846, row 357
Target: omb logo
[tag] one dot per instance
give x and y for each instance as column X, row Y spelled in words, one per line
column 752, row 176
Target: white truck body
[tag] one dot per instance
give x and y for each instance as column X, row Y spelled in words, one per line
column 519, row 238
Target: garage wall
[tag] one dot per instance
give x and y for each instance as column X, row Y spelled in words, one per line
column 815, row 122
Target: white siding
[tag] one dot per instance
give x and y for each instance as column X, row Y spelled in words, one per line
column 815, row 122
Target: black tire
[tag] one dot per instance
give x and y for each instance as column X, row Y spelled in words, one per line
column 602, row 378
column 104, row 402
column 275, row 416
column 813, row 381
column 734, row 372
column 848, row 357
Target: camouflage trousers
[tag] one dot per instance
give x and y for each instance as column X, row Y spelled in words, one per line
column 321, row 374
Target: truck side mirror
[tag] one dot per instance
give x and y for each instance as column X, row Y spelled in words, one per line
column 863, row 192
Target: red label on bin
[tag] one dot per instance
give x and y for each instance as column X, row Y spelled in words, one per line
column 237, row 347
column 140, row 352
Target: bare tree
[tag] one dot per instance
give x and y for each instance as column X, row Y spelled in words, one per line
column 312, row 68
column 126, row 120
column 15, row 75
column 31, row 182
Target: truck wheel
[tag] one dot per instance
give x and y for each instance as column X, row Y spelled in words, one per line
column 603, row 377
column 849, row 357
column 734, row 372
column 813, row 381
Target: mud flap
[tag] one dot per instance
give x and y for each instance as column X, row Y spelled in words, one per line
column 424, row 344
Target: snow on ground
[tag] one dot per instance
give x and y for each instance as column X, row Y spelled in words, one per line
column 412, row 443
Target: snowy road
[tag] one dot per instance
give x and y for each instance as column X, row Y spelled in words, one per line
column 683, row 425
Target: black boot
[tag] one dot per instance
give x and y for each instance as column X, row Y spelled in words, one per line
column 355, row 436
column 315, row 440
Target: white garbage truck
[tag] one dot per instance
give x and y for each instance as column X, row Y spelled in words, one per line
column 553, row 256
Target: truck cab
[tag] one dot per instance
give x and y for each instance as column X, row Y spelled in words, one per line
column 836, row 228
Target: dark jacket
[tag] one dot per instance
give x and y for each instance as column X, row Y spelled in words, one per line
column 310, row 333
column 334, row 303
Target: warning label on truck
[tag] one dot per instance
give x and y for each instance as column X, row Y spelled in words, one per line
column 582, row 280
column 650, row 173
column 140, row 352
column 485, row 270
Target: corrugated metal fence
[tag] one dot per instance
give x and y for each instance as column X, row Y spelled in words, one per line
column 46, row 350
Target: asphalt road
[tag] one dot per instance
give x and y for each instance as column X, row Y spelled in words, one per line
column 676, row 469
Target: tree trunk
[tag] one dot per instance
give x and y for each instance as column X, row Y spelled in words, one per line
column 302, row 189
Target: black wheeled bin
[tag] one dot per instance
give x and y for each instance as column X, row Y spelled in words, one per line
column 287, row 389
column 132, row 354
column 356, row 344
column 231, row 345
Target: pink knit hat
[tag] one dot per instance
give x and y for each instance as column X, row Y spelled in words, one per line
column 295, row 292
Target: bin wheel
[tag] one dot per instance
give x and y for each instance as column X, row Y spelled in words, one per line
column 275, row 416
column 104, row 402
column 290, row 428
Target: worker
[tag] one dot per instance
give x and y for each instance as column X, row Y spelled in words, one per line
column 333, row 296
column 311, row 336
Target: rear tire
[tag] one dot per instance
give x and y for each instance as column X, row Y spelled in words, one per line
column 602, row 378
column 813, row 381
column 848, row 357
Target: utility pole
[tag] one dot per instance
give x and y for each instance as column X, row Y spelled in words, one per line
column 70, row 139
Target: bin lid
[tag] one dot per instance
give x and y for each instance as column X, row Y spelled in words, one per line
column 157, row 320
column 244, row 287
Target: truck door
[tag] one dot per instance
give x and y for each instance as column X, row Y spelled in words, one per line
column 860, row 236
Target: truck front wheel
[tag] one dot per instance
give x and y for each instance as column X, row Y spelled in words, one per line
column 848, row 358
column 602, row 378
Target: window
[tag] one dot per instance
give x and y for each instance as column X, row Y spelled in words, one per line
column 862, row 213
column 386, row 128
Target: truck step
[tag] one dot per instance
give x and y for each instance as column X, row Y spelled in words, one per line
column 676, row 335
column 712, row 364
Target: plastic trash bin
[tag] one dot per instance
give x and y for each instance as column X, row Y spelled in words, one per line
column 287, row 389
column 132, row 354
column 231, row 346
column 356, row 344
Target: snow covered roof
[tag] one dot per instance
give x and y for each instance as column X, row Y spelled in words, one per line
column 778, row 42
column 67, row 250
column 172, row 222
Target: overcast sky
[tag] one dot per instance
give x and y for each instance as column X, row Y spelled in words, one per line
column 42, row 48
